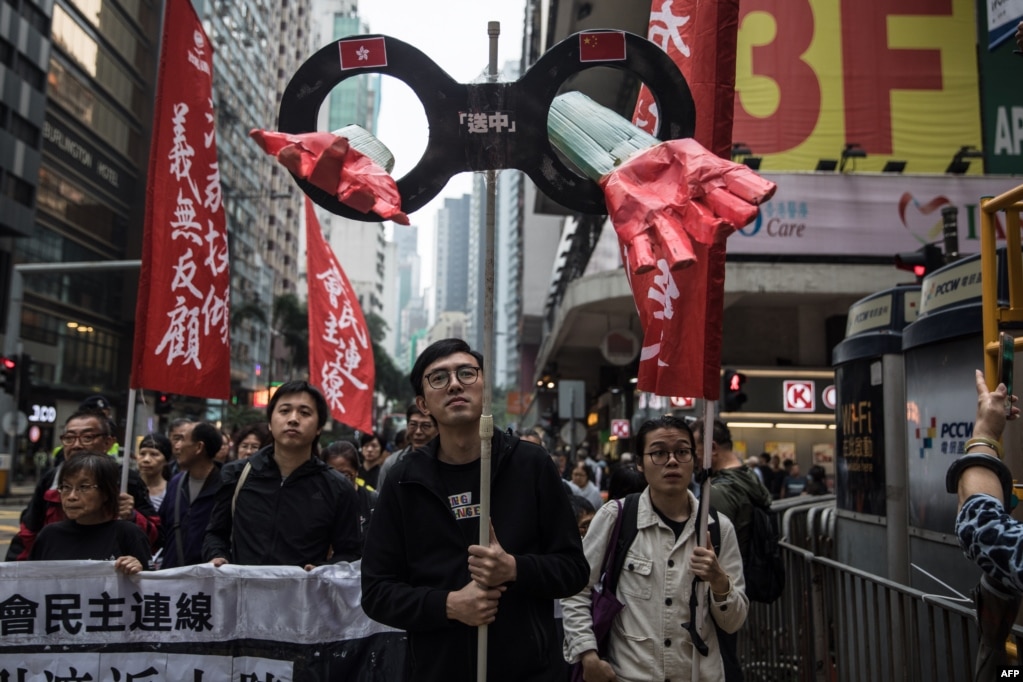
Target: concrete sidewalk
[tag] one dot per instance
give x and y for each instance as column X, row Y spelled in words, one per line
column 19, row 494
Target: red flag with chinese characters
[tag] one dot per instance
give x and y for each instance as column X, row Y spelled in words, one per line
column 601, row 46
column 182, row 342
column 362, row 53
column 340, row 352
column 682, row 352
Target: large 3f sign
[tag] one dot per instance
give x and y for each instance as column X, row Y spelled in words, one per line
column 898, row 77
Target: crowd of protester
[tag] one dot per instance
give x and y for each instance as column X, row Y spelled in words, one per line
column 274, row 493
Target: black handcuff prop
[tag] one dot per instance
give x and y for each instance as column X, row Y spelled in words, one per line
column 511, row 117
column 994, row 464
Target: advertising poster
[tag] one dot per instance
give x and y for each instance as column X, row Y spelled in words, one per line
column 1001, row 97
column 897, row 79
column 824, row 456
column 784, row 449
column 941, row 401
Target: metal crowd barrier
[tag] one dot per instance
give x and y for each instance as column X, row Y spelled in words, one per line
column 837, row 623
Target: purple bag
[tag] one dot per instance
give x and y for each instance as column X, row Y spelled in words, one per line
column 604, row 605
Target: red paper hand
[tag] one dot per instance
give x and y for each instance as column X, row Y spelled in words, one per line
column 330, row 163
column 666, row 197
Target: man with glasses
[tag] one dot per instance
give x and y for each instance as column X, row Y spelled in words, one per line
column 734, row 489
column 419, row 429
column 422, row 568
column 84, row 431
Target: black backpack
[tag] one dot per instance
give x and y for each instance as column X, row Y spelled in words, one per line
column 762, row 565
column 629, row 530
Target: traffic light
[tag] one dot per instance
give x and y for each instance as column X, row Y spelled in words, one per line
column 163, row 404
column 9, row 374
column 921, row 262
column 25, row 373
column 732, row 398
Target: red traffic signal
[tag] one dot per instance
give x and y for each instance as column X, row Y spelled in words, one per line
column 921, row 262
column 733, row 397
column 163, row 404
column 8, row 373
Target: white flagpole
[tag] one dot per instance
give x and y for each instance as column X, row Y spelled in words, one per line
column 129, row 435
column 708, row 444
column 487, row 418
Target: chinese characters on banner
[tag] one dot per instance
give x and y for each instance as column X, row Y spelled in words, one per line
column 681, row 310
column 340, row 353
column 75, row 621
column 182, row 315
column 700, row 37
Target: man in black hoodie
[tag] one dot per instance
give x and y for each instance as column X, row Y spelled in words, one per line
column 734, row 489
column 422, row 569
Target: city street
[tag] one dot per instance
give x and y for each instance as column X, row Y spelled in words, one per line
column 8, row 522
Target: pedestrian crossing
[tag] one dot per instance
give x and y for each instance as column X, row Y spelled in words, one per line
column 8, row 526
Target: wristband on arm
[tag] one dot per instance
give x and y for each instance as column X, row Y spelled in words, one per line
column 988, row 462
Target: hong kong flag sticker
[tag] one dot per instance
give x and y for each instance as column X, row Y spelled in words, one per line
column 362, row 53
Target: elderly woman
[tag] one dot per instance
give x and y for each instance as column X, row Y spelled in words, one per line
column 88, row 484
column 649, row 638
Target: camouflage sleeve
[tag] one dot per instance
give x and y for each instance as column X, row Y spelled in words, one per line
column 992, row 539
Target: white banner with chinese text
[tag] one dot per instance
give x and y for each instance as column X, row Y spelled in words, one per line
column 68, row 619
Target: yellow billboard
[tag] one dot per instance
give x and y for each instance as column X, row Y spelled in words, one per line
column 897, row 78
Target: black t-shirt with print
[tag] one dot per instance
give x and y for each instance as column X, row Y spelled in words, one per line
column 462, row 485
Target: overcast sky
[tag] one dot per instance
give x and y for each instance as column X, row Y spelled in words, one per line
column 453, row 33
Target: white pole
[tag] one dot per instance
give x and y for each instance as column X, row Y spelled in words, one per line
column 129, row 435
column 487, row 418
column 708, row 444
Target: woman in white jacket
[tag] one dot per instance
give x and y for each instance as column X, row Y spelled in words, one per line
column 649, row 639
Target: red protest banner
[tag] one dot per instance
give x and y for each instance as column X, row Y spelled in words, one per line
column 681, row 309
column 700, row 37
column 340, row 354
column 182, row 342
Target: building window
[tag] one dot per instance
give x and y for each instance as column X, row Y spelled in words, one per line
column 17, row 189
column 24, row 131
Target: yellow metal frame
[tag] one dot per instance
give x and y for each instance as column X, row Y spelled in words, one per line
column 1011, row 203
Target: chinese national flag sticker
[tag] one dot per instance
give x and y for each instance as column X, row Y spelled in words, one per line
column 601, row 46
column 362, row 53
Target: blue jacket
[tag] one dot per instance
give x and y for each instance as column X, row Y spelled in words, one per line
column 179, row 517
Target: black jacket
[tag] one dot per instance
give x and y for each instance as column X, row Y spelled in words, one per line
column 45, row 508
column 290, row 523
column 188, row 520
column 416, row 554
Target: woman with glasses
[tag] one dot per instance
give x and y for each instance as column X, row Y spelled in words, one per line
column 251, row 440
column 655, row 637
column 88, row 485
